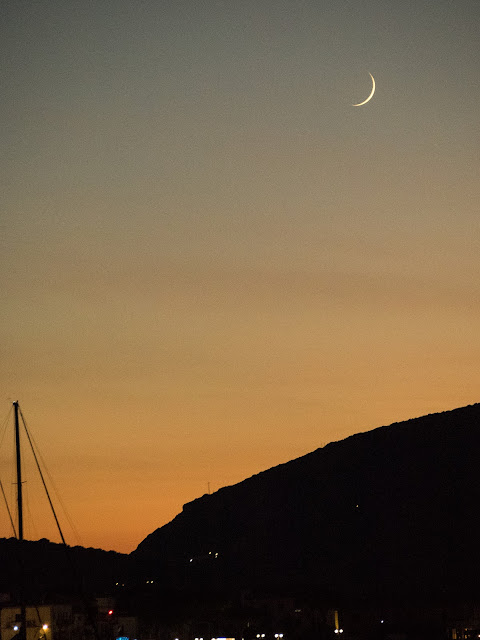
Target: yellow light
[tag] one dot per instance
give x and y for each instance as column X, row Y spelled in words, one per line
column 45, row 627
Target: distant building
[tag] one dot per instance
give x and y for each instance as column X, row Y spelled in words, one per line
column 67, row 622
column 49, row 622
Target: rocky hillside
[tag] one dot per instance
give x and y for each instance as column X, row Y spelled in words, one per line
column 390, row 511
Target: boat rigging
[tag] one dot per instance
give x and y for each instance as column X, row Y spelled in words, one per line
column 18, row 530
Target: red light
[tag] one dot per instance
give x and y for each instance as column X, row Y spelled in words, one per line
column 110, row 612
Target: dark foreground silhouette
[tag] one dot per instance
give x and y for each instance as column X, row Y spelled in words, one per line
column 392, row 512
column 378, row 531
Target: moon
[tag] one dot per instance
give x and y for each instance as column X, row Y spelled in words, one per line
column 371, row 93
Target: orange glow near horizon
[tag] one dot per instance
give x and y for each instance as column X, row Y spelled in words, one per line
column 211, row 263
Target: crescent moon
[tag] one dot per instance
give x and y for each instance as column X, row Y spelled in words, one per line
column 371, row 93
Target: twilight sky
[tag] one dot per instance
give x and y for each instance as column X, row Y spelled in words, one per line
column 211, row 263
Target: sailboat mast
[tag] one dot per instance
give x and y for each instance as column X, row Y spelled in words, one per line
column 19, row 474
column 22, row 635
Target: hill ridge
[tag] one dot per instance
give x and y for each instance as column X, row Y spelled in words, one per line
column 388, row 503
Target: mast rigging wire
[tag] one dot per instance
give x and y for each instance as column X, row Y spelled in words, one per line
column 3, row 432
column 43, row 479
column 35, row 448
column 8, row 510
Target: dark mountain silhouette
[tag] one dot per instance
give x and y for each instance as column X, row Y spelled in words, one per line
column 51, row 569
column 390, row 512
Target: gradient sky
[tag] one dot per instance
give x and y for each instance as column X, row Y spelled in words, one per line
column 211, row 262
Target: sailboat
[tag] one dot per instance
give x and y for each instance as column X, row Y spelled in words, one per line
column 18, row 624
column 15, row 625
